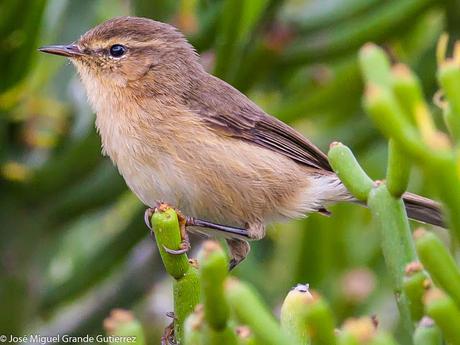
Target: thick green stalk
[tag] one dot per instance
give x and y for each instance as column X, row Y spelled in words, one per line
column 407, row 90
column 444, row 171
column 437, row 162
column 439, row 263
column 294, row 313
column 386, row 112
column 423, row 143
column 251, row 311
column 213, row 268
column 452, row 121
column 390, row 216
column 415, row 283
column 166, row 228
column 186, row 287
column 442, row 309
column 397, row 245
column 398, row 170
column 375, row 65
column 427, row 333
column 349, row 171
column 186, row 292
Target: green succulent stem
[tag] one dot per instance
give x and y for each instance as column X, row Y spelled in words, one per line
column 121, row 323
column 213, row 268
column 186, row 291
column 449, row 78
column 250, row 310
column 415, row 283
column 294, row 313
column 398, row 170
column 389, row 214
column 442, row 309
column 427, row 333
column 389, row 107
column 384, row 109
column 375, row 65
column 407, row 89
column 439, row 263
column 452, row 121
column 349, row 171
column 186, row 287
column 193, row 328
column 397, row 246
column 320, row 322
column 165, row 226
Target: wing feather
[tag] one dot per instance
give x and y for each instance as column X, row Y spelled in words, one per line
column 225, row 109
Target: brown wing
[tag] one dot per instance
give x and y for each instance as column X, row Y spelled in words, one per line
column 225, row 109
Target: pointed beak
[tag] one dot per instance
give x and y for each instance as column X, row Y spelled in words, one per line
column 70, row 50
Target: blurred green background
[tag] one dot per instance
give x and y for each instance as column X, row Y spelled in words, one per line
column 73, row 244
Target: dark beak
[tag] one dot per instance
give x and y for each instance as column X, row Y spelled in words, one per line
column 70, row 50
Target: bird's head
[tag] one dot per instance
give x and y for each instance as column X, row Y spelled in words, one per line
column 132, row 52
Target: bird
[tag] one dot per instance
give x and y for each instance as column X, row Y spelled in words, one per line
column 183, row 136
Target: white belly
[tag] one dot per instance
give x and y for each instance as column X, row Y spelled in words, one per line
column 159, row 182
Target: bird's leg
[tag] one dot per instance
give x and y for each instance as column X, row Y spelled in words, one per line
column 168, row 334
column 228, row 230
column 240, row 245
column 185, row 244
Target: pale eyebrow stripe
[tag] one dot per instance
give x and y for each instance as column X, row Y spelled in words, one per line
column 125, row 42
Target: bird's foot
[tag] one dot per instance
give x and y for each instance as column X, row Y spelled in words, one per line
column 182, row 225
column 185, row 244
column 148, row 216
column 168, row 337
column 239, row 250
column 184, row 248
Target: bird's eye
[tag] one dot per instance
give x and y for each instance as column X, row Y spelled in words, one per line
column 117, row 50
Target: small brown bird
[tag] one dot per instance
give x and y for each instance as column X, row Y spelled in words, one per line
column 181, row 135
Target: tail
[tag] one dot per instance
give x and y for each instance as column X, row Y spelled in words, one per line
column 423, row 209
column 331, row 190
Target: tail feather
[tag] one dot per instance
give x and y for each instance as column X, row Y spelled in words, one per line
column 423, row 209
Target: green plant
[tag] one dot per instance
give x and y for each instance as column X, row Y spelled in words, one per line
column 229, row 305
column 394, row 100
column 73, row 245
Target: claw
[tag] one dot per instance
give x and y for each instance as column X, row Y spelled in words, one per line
column 232, row 264
column 147, row 216
column 171, row 315
column 185, row 247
